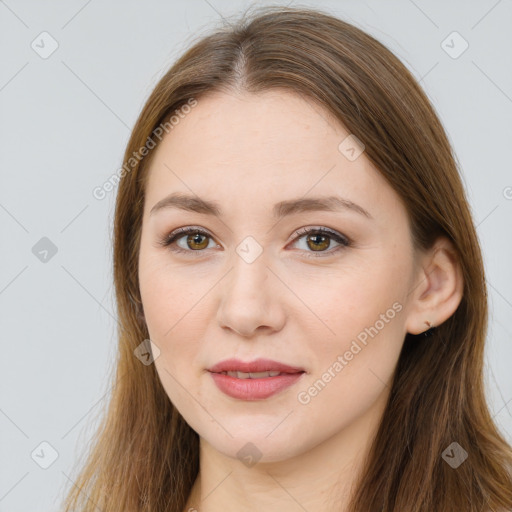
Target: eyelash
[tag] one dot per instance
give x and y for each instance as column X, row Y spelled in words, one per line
column 337, row 237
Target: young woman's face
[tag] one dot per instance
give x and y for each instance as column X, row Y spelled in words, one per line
column 253, row 284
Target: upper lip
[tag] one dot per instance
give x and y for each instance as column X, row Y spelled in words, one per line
column 258, row 365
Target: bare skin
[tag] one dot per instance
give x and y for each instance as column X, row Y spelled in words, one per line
column 205, row 304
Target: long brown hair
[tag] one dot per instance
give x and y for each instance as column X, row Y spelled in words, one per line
column 145, row 456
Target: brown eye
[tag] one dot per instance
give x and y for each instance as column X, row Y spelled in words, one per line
column 318, row 242
column 187, row 240
column 194, row 241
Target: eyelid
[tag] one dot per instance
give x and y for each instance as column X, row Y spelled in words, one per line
column 299, row 233
column 343, row 241
column 175, row 235
column 339, row 238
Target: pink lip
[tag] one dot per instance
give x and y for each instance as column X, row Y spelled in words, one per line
column 254, row 389
column 258, row 365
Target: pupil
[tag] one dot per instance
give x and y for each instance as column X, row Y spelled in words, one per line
column 196, row 239
column 316, row 242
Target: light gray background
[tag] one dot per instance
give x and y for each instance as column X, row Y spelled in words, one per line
column 65, row 121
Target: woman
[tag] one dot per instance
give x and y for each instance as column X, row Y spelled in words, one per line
column 301, row 295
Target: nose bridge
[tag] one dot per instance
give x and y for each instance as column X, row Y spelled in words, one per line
column 249, row 275
column 248, row 296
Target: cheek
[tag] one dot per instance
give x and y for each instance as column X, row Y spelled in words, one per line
column 353, row 367
column 359, row 330
column 172, row 318
column 344, row 303
column 171, row 310
column 167, row 294
column 175, row 310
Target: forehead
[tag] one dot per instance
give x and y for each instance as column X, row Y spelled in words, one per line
column 269, row 127
column 250, row 149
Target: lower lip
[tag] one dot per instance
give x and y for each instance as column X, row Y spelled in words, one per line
column 254, row 389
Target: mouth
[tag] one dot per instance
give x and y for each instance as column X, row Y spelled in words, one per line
column 254, row 380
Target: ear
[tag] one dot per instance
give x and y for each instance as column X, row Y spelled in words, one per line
column 438, row 287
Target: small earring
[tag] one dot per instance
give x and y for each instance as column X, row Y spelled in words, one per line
column 430, row 331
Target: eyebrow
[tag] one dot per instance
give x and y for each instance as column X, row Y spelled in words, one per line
column 280, row 210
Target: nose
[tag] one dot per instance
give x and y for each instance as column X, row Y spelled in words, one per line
column 251, row 299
